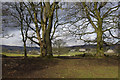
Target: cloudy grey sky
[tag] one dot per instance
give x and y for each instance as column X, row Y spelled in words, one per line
column 16, row 40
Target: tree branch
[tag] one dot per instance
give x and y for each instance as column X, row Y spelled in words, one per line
column 105, row 15
column 31, row 38
column 55, row 26
column 87, row 13
column 113, row 35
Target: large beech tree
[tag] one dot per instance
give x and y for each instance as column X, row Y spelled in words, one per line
column 102, row 16
column 42, row 15
column 39, row 18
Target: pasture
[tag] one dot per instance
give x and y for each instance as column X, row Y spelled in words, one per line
column 33, row 55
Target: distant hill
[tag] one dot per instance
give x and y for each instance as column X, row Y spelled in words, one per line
column 92, row 46
column 6, row 48
column 82, row 46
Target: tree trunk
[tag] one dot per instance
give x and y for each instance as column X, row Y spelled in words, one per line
column 46, row 50
column 48, row 38
column 49, row 45
column 25, row 51
column 100, row 51
column 46, row 45
column 43, row 50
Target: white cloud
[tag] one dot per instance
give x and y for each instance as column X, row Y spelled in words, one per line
column 16, row 40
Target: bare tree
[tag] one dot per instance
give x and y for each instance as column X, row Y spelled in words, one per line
column 41, row 19
column 42, row 15
column 59, row 43
column 22, row 18
column 16, row 11
column 103, row 18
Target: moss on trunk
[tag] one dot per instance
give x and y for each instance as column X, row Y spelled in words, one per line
column 100, row 51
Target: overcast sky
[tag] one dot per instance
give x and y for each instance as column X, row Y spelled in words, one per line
column 16, row 40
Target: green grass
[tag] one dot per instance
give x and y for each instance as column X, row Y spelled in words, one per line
column 31, row 55
column 70, row 54
column 15, row 55
column 75, row 53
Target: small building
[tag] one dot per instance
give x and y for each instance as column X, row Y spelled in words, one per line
column 73, row 50
column 110, row 51
column 39, row 53
column 82, row 50
column 34, row 52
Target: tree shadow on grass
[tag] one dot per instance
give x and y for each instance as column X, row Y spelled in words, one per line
column 103, row 61
column 16, row 67
column 20, row 67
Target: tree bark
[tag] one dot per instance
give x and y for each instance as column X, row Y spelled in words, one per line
column 48, row 39
column 25, row 51
column 49, row 46
column 43, row 50
column 99, row 44
column 46, row 47
column 100, row 51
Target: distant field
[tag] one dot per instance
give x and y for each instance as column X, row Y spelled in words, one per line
column 68, row 54
column 13, row 54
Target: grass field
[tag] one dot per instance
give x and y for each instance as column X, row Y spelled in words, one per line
column 70, row 54
column 55, row 55
column 16, row 55
column 31, row 55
